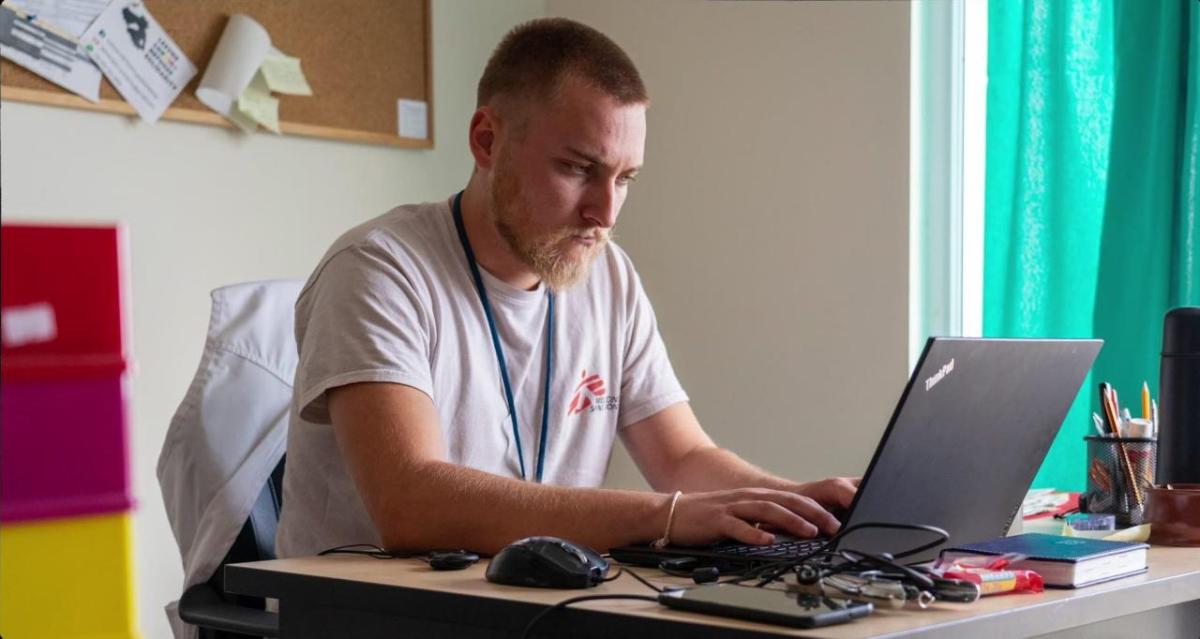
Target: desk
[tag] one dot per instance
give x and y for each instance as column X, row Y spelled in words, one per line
column 350, row 596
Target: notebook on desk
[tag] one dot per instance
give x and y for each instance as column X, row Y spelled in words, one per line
column 960, row 451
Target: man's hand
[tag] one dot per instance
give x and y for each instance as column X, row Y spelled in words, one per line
column 706, row 518
column 833, row 493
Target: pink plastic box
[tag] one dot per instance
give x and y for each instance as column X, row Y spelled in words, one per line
column 64, row 449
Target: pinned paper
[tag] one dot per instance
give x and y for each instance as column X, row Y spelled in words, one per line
column 414, row 117
column 283, row 75
column 29, row 324
column 48, row 52
column 257, row 104
column 72, row 17
column 137, row 56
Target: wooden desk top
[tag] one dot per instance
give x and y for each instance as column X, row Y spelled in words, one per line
column 1174, row 577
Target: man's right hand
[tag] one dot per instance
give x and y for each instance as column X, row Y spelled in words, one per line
column 702, row 519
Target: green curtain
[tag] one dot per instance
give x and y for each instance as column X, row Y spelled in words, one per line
column 1092, row 195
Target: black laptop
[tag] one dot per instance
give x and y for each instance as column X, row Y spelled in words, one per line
column 970, row 431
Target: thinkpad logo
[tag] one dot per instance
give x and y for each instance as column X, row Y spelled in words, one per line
column 940, row 375
column 590, row 396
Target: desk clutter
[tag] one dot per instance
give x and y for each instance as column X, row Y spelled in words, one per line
column 835, row 585
column 65, row 499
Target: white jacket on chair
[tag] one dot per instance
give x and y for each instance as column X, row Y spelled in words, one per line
column 230, row 430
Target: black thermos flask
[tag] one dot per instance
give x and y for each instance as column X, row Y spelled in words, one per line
column 1179, row 391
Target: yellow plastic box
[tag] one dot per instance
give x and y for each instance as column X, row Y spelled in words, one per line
column 68, row 578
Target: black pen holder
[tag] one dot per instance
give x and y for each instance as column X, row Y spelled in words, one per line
column 1120, row 472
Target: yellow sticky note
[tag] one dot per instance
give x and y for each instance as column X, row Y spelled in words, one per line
column 283, row 75
column 257, row 104
column 243, row 121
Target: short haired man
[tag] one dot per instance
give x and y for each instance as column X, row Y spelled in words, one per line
column 466, row 365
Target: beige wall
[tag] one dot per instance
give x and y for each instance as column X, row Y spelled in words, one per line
column 770, row 223
column 206, row 207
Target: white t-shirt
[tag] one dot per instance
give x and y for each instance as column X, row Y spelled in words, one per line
column 393, row 301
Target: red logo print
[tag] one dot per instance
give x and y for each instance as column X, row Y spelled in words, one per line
column 588, row 393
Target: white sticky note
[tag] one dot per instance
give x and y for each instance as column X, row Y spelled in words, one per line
column 283, row 75
column 30, row 324
column 414, row 119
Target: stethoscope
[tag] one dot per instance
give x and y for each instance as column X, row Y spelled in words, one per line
column 491, row 320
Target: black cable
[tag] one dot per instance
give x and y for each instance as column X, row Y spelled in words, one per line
column 942, row 535
column 369, row 550
column 620, row 571
column 774, row 570
column 437, row 559
column 643, row 580
column 566, row 602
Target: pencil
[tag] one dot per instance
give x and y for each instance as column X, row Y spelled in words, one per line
column 1110, row 410
column 1145, row 400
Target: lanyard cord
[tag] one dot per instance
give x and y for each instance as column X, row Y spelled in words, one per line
column 491, row 320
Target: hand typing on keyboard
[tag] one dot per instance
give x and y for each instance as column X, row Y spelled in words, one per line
column 753, row 515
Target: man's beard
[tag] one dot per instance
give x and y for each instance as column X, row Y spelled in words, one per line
column 545, row 250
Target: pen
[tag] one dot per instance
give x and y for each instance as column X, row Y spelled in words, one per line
column 1110, row 416
column 1099, row 424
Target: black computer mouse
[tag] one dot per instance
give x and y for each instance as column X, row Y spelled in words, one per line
column 547, row 562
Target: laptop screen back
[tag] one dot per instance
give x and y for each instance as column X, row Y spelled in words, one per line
column 966, row 439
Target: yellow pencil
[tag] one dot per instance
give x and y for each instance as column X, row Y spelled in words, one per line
column 1145, row 400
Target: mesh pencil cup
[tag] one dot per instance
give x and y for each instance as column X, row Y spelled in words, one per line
column 1119, row 472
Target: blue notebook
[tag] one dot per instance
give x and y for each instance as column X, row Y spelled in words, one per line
column 1063, row 562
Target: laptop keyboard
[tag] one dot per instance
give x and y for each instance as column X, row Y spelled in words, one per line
column 780, row 550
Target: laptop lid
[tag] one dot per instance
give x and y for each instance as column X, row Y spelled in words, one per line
column 966, row 439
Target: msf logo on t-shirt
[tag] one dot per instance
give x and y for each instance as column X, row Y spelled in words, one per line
column 590, row 396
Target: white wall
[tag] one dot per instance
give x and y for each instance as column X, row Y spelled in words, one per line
column 770, row 223
column 206, row 207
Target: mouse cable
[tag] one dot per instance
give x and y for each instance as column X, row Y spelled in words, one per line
column 375, row 552
column 566, row 602
column 620, row 571
column 640, row 578
column 369, row 550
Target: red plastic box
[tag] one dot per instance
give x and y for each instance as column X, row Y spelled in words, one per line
column 61, row 302
column 63, row 407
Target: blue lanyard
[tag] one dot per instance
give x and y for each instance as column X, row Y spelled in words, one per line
column 491, row 320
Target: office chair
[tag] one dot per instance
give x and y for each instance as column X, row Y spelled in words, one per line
column 221, row 467
column 221, row 615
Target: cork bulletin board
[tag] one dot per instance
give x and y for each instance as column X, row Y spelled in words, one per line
column 359, row 57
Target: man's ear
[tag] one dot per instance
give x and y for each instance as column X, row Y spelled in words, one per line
column 482, row 136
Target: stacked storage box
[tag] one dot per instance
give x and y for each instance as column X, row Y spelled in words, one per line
column 65, row 502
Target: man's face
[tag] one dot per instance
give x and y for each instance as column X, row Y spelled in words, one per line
column 558, row 184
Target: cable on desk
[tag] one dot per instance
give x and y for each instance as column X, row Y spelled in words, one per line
column 566, row 602
column 643, row 580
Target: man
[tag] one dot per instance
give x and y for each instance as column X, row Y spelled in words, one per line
column 466, row 365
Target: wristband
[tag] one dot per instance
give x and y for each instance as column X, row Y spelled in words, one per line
column 663, row 541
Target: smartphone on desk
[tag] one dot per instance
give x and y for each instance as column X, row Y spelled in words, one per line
column 762, row 604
